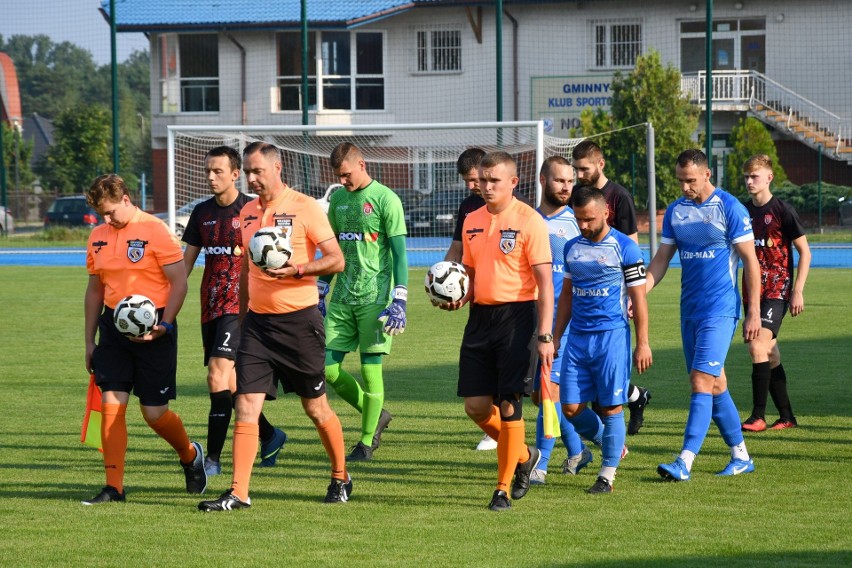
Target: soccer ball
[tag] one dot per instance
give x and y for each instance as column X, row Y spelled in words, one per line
column 135, row 315
column 446, row 282
column 270, row 248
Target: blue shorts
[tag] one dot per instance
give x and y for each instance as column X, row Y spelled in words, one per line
column 596, row 366
column 706, row 342
column 556, row 370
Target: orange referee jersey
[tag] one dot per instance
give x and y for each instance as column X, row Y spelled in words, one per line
column 307, row 226
column 502, row 249
column 129, row 260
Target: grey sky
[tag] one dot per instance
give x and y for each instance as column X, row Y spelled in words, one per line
column 77, row 21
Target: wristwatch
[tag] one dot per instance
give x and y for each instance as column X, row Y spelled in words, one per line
column 546, row 338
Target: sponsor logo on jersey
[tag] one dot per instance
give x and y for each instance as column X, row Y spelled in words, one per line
column 227, row 251
column 100, row 245
column 368, row 237
column 560, row 232
column 209, row 223
column 368, row 208
column 136, row 250
column 687, row 255
column 589, row 292
column 769, row 243
column 507, row 240
column 559, row 268
column 602, row 259
column 767, row 219
column 235, row 222
column 709, row 219
column 473, row 232
column 249, row 220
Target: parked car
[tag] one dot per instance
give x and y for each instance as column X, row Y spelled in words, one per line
column 844, row 211
column 324, row 200
column 72, row 211
column 7, row 222
column 436, row 214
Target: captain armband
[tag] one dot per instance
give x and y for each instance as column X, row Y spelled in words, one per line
column 634, row 274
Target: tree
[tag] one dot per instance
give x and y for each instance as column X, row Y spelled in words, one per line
column 649, row 93
column 82, row 149
column 13, row 143
column 749, row 137
column 58, row 77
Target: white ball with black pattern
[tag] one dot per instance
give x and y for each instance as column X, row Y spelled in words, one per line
column 270, row 248
column 135, row 315
column 446, row 282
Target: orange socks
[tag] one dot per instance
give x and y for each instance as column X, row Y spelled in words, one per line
column 246, row 438
column 170, row 428
column 510, row 449
column 114, row 440
column 492, row 425
column 331, row 434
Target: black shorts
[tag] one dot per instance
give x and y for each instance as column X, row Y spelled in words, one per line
column 771, row 314
column 147, row 370
column 499, row 350
column 285, row 349
column 221, row 337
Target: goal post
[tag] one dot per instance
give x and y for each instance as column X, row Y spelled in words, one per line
column 417, row 161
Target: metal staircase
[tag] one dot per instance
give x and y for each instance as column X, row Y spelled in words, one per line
column 777, row 106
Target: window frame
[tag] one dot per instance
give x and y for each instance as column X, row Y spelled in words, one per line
column 424, row 58
column 170, row 77
column 319, row 79
column 607, row 44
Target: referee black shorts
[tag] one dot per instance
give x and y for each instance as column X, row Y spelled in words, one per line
column 147, row 370
column 286, row 349
column 498, row 354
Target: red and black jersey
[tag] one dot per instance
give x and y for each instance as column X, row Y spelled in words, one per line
column 622, row 213
column 776, row 225
column 216, row 231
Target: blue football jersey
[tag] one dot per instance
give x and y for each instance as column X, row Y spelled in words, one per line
column 599, row 275
column 705, row 235
column 562, row 227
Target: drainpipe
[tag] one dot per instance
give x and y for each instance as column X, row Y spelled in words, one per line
column 514, row 63
column 242, row 76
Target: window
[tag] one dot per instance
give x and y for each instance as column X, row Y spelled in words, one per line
column 189, row 73
column 345, row 71
column 615, row 44
column 438, row 50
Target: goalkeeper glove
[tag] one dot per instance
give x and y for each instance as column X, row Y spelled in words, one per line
column 393, row 316
column 322, row 288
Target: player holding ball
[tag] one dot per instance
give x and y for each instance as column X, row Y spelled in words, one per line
column 134, row 253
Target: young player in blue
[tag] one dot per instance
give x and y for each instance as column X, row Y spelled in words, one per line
column 604, row 268
column 557, row 182
column 710, row 228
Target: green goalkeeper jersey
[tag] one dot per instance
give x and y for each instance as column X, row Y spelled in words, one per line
column 364, row 221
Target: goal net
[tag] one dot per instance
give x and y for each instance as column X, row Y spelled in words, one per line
column 417, row 161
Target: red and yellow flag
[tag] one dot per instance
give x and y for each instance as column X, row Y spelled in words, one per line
column 90, row 434
column 548, row 406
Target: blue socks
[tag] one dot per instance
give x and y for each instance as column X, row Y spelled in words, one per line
column 589, row 425
column 613, row 440
column 727, row 418
column 698, row 422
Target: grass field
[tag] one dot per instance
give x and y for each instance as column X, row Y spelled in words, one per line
column 422, row 501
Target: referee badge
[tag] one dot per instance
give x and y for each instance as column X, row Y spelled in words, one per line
column 507, row 241
column 136, row 250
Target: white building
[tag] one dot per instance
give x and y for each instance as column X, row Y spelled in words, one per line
column 381, row 61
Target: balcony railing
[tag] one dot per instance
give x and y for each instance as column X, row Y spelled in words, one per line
column 759, row 93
